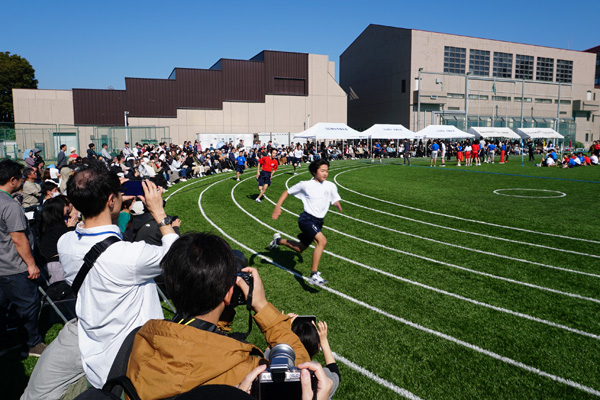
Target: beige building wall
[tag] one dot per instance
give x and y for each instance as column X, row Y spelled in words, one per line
column 436, row 86
column 326, row 102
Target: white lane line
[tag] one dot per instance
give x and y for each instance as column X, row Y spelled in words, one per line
column 452, row 339
column 402, row 392
column 445, row 243
column 368, row 374
column 466, row 219
column 440, row 291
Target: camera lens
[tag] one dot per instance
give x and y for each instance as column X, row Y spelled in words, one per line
column 282, row 357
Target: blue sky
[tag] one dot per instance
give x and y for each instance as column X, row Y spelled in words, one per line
column 97, row 44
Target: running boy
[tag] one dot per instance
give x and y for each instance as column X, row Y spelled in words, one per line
column 240, row 164
column 269, row 166
column 298, row 153
column 316, row 195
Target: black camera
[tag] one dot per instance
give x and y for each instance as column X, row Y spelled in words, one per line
column 238, row 298
column 281, row 380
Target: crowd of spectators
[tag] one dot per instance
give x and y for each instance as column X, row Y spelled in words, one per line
column 73, row 226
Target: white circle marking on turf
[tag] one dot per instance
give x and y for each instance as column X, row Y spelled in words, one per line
column 460, row 218
column 402, row 320
column 561, row 194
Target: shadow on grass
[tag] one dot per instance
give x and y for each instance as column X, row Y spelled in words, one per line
column 286, row 260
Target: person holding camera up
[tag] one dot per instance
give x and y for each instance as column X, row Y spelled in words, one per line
column 201, row 272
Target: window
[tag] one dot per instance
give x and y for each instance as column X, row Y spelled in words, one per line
column 501, row 98
column 288, row 86
column 524, row 67
column 564, row 71
column 545, row 69
column 453, row 108
column 527, row 99
column 455, row 96
column 478, row 97
column 479, row 62
column 544, row 101
column 503, row 65
column 403, row 85
column 455, row 59
column 562, row 101
column 587, row 139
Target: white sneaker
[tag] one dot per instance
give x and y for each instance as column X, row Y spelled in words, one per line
column 238, row 179
column 183, row 180
column 275, row 242
column 258, row 200
column 317, row 279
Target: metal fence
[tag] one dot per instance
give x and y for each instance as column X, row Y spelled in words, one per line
column 16, row 138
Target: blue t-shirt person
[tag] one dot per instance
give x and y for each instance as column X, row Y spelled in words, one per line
column 240, row 160
column 435, row 147
column 491, row 147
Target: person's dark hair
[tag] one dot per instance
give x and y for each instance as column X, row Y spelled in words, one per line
column 91, row 145
column 199, row 269
column 10, row 169
column 53, row 213
column 47, row 187
column 126, row 204
column 315, row 165
column 27, row 171
column 309, row 337
column 90, row 187
column 104, row 144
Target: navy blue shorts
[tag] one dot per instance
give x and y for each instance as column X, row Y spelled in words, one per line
column 310, row 226
column 239, row 168
column 264, row 178
column 297, row 161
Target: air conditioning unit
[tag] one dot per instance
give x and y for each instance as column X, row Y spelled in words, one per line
column 433, row 97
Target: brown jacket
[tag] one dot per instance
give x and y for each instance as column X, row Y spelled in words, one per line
column 168, row 358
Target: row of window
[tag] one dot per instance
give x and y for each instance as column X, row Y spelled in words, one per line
column 504, row 98
column 455, row 61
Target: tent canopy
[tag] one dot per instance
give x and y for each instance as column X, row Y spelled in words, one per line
column 384, row 131
column 493, row 132
column 539, row 133
column 443, row 132
column 330, row 130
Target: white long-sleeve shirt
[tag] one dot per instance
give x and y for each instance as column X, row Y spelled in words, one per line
column 117, row 295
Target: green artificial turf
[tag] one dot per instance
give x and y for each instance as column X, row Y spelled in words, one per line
column 431, row 287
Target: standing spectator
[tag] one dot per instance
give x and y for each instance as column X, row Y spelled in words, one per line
column 18, row 269
column 407, row 151
column 530, row 150
column 61, row 159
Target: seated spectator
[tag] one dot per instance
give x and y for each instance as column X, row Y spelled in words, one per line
column 143, row 226
column 124, row 215
column 594, row 159
column 32, row 192
column 48, row 190
column 56, row 221
column 172, row 357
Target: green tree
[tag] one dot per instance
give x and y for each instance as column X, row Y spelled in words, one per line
column 15, row 73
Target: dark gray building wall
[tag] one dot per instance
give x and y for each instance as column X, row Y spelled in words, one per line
column 373, row 69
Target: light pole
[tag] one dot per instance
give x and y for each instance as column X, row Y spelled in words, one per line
column 419, row 101
column 126, row 114
column 467, row 100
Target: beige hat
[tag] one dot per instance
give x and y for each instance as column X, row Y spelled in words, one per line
column 72, row 149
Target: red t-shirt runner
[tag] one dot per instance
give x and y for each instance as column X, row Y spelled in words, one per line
column 268, row 164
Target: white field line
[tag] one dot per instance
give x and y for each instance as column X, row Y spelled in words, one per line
column 531, row 285
column 403, row 392
column 452, row 339
column 445, row 243
column 440, row 291
column 364, row 372
column 468, row 220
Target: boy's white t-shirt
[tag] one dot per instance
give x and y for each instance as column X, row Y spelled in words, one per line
column 316, row 196
column 298, row 153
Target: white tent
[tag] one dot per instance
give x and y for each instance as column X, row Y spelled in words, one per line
column 493, row 132
column 539, row 133
column 383, row 131
column 327, row 130
column 443, row 132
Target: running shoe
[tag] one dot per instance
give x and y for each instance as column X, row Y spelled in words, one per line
column 275, row 242
column 258, row 200
column 317, row 279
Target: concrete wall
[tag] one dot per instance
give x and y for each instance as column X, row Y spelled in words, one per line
column 43, row 106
